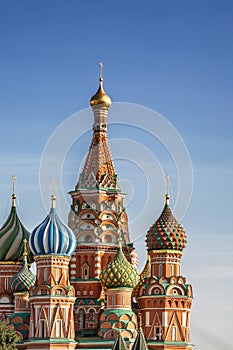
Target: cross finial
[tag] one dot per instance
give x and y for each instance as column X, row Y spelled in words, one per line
column 167, row 194
column 101, row 70
column 13, row 183
column 53, row 197
column 167, row 183
column 13, row 191
column 25, row 250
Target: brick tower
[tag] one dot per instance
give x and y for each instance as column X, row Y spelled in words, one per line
column 118, row 278
column 52, row 297
column 97, row 213
column 164, row 298
column 12, row 234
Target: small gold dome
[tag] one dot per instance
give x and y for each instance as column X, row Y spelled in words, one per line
column 100, row 97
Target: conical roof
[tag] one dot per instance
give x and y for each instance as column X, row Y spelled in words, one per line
column 119, row 273
column 120, row 343
column 12, row 235
column 24, row 279
column 166, row 232
column 52, row 236
column 140, row 341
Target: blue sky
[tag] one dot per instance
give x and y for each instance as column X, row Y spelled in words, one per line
column 174, row 57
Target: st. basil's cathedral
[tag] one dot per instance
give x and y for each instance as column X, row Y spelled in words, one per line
column 87, row 292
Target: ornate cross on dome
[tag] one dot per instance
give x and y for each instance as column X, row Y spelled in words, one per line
column 167, row 183
column 13, row 183
column 53, row 197
column 25, row 250
column 167, row 194
column 101, row 70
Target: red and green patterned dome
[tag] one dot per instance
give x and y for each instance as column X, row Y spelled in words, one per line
column 166, row 233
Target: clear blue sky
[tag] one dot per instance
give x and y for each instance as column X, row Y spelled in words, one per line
column 174, row 57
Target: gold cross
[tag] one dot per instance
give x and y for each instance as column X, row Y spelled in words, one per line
column 101, row 69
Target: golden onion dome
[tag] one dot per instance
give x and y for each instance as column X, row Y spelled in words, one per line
column 100, row 97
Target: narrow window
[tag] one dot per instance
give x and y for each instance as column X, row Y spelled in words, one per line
column 184, row 319
column 157, row 333
column 171, row 270
column 123, row 300
column 164, row 318
column 82, row 319
column 160, row 270
column 46, row 275
column 42, row 329
column 6, row 283
column 147, row 318
column 173, row 333
column 58, row 328
column 32, row 329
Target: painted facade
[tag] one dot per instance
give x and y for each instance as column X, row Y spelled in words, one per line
column 87, row 292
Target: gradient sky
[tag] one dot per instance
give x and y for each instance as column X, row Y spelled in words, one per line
column 174, row 57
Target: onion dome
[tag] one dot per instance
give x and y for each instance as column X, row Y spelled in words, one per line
column 100, row 96
column 24, row 279
column 52, row 236
column 166, row 233
column 119, row 273
column 12, row 235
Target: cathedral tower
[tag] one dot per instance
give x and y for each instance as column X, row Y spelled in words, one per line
column 118, row 278
column 97, row 213
column 163, row 295
column 52, row 298
column 12, row 235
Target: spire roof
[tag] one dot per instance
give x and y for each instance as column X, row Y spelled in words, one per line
column 12, row 234
column 52, row 236
column 98, row 170
column 120, row 343
column 140, row 341
column 166, row 232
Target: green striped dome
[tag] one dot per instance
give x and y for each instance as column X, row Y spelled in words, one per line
column 12, row 235
column 119, row 273
column 23, row 280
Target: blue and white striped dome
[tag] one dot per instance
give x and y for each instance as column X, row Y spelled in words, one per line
column 52, row 236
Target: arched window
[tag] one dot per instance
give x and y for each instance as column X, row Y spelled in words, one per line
column 81, row 318
column 85, row 271
column 91, row 317
column 88, row 239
